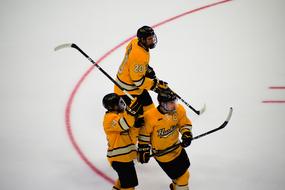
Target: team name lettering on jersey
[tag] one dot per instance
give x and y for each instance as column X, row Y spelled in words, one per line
column 164, row 133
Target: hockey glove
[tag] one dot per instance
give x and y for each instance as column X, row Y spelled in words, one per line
column 139, row 122
column 143, row 153
column 134, row 108
column 159, row 86
column 150, row 73
column 186, row 139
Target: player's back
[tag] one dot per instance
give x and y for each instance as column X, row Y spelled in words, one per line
column 132, row 68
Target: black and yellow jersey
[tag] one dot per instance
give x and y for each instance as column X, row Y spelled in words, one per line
column 131, row 74
column 162, row 131
column 117, row 127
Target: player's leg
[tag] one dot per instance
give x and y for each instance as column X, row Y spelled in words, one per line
column 146, row 101
column 127, row 174
column 117, row 185
column 181, row 183
column 177, row 170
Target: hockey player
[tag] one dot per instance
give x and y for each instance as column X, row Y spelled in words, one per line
column 161, row 134
column 135, row 75
column 118, row 122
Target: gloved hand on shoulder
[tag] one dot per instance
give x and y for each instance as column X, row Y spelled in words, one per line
column 134, row 108
column 159, row 85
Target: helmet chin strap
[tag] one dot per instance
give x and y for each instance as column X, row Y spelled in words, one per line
column 147, row 47
column 154, row 43
column 151, row 46
column 143, row 45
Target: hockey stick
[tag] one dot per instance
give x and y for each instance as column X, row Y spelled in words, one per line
column 198, row 112
column 223, row 125
column 72, row 45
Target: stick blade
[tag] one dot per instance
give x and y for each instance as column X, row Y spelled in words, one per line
column 67, row 45
column 229, row 114
column 228, row 118
column 201, row 111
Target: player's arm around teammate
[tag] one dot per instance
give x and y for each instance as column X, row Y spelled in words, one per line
column 118, row 122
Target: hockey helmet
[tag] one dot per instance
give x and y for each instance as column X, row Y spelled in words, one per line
column 144, row 32
column 113, row 102
column 166, row 96
column 167, row 101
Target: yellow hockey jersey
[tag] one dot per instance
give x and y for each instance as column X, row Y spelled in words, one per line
column 117, row 127
column 162, row 132
column 131, row 74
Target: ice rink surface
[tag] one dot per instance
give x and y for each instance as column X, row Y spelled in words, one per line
column 226, row 55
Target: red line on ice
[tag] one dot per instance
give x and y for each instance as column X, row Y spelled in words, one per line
column 277, row 87
column 273, row 101
column 78, row 84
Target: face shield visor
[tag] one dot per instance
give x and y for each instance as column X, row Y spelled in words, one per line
column 170, row 106
column 151, row 41
column 121, row 104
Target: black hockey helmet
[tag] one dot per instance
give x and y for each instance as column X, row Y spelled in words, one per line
column 166, row 95
column 113, row 102
column 143, row 33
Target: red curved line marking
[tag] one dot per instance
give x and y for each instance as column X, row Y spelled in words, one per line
column 70, row 133
column 76, row 88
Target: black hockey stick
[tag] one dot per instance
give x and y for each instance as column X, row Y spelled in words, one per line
column 198, row 112
column 72, row 45
column 223, row 125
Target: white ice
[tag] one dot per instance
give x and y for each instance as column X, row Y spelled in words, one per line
column 227, row 55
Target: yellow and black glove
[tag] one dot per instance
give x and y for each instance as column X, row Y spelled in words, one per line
column 139, row 122
column 143, row 153
column 159, row 86
column 134, row 108
column 150, row 73
column 186, row 139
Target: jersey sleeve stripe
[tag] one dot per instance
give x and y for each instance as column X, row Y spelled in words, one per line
column 139, row 82
column 144, row 138
column 186, row 127
column 128, row 87
column 121, row 150
column 123, row 124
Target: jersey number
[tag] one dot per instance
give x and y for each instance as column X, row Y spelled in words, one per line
column 139, row 68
